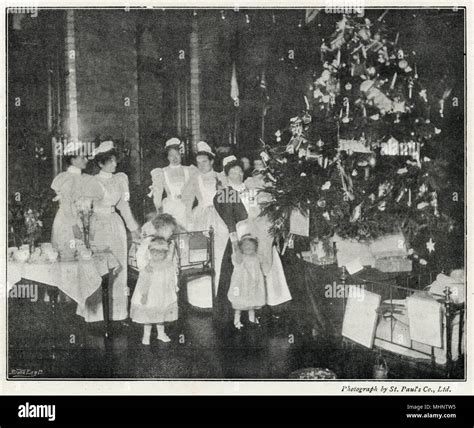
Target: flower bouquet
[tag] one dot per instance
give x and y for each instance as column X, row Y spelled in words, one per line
column 33, row 226
column 85, row 209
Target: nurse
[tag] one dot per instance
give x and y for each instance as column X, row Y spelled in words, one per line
column 172, row 180
column 110, row 193
column 69, row 186
column 239, row 206
column 198, row 195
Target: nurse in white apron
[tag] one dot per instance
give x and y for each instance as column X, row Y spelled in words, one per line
column 277, row 287
column 171, row 180
column 203, row 216
column 110, row 193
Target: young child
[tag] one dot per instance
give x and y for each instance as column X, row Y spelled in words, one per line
column 155, row 299
column 247, row 286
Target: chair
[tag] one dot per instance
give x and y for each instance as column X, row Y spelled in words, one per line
column 195, row 256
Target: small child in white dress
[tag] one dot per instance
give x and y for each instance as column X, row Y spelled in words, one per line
column 247, row 286
column 155, row 299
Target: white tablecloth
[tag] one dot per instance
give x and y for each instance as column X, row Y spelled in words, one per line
column 79, row 279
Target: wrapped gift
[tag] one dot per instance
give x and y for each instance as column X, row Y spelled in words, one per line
column 392, row 245
column 393, row 264
column 348, row 250
column 299, row 223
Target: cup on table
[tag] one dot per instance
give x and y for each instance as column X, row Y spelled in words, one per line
column 22, row 254
column 67, row 254
column 51, row 254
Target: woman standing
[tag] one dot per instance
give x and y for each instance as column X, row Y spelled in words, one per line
column 202, row 189
column 171, row 179
column 277, row 287
column 232, row 204
column 238, row 207
column 69, row 186
column 110, row 192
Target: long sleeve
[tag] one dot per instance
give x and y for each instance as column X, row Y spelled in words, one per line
column 123, row 205
column 63, row 185
column 230, row 208
column 225, row 209
column 142, row 254
column 236, row 254
column 157, row 179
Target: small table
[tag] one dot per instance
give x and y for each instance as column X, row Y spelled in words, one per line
column 78, row 279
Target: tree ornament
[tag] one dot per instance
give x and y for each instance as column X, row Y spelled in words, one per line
column 430, row 245
column 356, row 213
column 326, row 185
column 422, row 205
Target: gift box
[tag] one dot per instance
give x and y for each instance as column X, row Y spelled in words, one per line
column 387, row 253
column 348, row 250
column 393, row 264
column 392, row 245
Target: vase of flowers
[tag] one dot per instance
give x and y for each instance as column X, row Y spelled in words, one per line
column 85, row 209
column 33, row 226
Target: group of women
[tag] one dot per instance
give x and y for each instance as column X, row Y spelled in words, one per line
column 196, row 196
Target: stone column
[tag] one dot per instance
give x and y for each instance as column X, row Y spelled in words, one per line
column 71, row 125
column 194, row 85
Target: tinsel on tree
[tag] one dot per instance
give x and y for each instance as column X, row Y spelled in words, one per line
column 361, row 159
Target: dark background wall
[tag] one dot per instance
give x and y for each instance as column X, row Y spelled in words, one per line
column 133, row 86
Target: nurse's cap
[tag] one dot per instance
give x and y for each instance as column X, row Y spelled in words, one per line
column 103, row 147
column 228, row 159
column 172, row 142
column 204, row 149
column 73, row 148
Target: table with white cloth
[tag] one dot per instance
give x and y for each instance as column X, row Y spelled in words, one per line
column 78, row 279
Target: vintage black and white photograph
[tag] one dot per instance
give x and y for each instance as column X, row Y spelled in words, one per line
column 236, row 193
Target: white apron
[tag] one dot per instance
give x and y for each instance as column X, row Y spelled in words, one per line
column 173, row 203
column 204, row 216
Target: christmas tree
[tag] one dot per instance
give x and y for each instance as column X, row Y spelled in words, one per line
column 361, row 161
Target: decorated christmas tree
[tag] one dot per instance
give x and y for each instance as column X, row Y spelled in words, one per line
column 361, row 161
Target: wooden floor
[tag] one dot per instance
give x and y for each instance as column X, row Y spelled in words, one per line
column 63, row 346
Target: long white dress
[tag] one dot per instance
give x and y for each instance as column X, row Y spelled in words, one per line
column 111, row 192
column 203, row 188
column 69, row 187
column 171, row 179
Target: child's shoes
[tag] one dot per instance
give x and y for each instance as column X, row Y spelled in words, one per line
column 238, row 325
column 163, row 337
